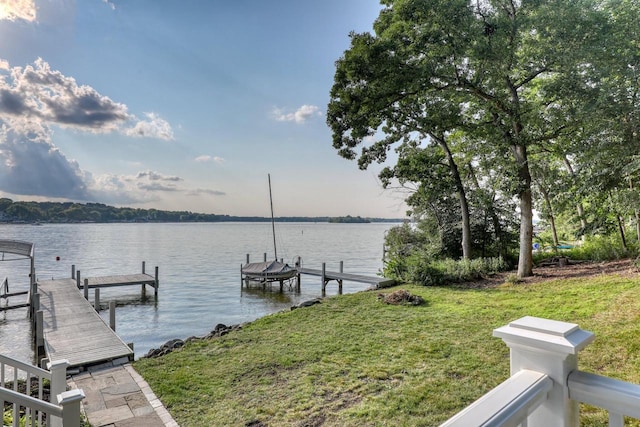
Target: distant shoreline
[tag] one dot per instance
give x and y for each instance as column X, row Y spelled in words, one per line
column 76, row 213
column 326, row 220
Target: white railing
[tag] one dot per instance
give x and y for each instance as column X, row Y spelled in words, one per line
column 508, row 404
column 62, row 410
column 545, row 387
column 619, row 398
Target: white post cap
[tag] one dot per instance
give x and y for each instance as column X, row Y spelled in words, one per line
column 545, row 335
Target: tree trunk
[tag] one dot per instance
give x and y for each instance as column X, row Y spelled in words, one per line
column 579, row 208
column 622, row 235
column 495, row 220
column 462, row 197
column 525, row 258
column 552, row 218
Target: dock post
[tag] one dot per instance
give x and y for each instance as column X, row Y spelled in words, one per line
column 39, row 335
column 247, row 258
column 340, row 281
column 157, row 283
column 86, row 289
column 34, row 306
column 36, row 302
column 73, row 271
column 265, row 257
column 112, row 315
column 78, row 279
column 96, row 299
column 144, row 288
column 323, row 278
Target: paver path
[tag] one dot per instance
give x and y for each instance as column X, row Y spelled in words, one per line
column 119, row 397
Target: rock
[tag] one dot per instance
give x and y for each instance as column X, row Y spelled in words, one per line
column 307, row 303
column 171, row 345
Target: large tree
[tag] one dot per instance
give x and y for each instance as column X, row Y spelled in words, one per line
column 497, row 63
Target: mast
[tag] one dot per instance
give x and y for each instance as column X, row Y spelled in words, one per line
column 273, row 224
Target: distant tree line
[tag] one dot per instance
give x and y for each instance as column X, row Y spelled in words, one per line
column 349, row 219
column 70, row 212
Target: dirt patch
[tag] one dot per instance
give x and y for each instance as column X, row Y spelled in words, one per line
column 572, row 270
column 401, row 297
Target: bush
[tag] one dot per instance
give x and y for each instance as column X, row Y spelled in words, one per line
column 423, row 271
column 601, row 248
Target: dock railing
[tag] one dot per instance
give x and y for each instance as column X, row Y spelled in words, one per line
column 545, row 387
column 26, row 396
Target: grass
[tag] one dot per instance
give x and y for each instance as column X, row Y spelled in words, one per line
column 354, row 361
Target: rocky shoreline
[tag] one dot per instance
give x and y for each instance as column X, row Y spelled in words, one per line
column 219, row 330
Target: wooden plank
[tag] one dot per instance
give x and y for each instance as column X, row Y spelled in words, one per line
column 73, row 330
column 120, row 280
column 334, row 275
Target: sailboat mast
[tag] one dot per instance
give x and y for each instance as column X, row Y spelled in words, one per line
column 273, row 224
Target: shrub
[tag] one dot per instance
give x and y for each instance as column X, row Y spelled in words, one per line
column 426, row 272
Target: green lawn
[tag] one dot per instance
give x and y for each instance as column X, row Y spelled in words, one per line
column 354, row 361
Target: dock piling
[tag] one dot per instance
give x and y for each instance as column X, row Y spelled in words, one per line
column 323, row 277
column 78, row 279
column 157, row 283
column 86, row 289
column 39, row 334
column 73, row 271
column 112, row 315
column 96, row 299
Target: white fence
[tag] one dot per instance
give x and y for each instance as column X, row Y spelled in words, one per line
column 36, row 411
column 545, row 387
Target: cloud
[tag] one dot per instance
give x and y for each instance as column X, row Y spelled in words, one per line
column 110, row 4
column 155, row 127
column 207, row 192
column 301, row 115
column 33, row 166
column 206, row 158
column 37, row 95
column 35, row 98
column 18, row 9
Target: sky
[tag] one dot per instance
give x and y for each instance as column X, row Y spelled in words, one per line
column 181, row 105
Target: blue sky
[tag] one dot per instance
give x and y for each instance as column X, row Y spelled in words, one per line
column 180, row 105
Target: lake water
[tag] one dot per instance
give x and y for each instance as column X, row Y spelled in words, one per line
column 199, row 272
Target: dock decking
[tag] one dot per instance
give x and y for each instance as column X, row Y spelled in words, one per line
column 334, row 275
column 73, row 330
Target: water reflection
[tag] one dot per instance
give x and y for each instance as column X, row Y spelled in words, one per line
column 269, row 293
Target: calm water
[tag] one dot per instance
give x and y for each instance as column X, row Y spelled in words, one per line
column 199, row 271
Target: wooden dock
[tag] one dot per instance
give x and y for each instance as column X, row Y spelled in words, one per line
column 335, row 275
column 327, row 276
column 339, row 276
column 67, row 325
column 73, row 330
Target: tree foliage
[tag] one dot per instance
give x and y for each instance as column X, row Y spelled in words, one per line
column 496, row 101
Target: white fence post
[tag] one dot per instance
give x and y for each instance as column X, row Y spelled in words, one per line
column 550, row 347
column 58, row 385
column 70, row 402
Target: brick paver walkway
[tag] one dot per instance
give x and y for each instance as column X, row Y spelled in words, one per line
column 119, row 397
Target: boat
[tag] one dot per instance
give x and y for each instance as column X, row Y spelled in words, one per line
column 269, row 271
